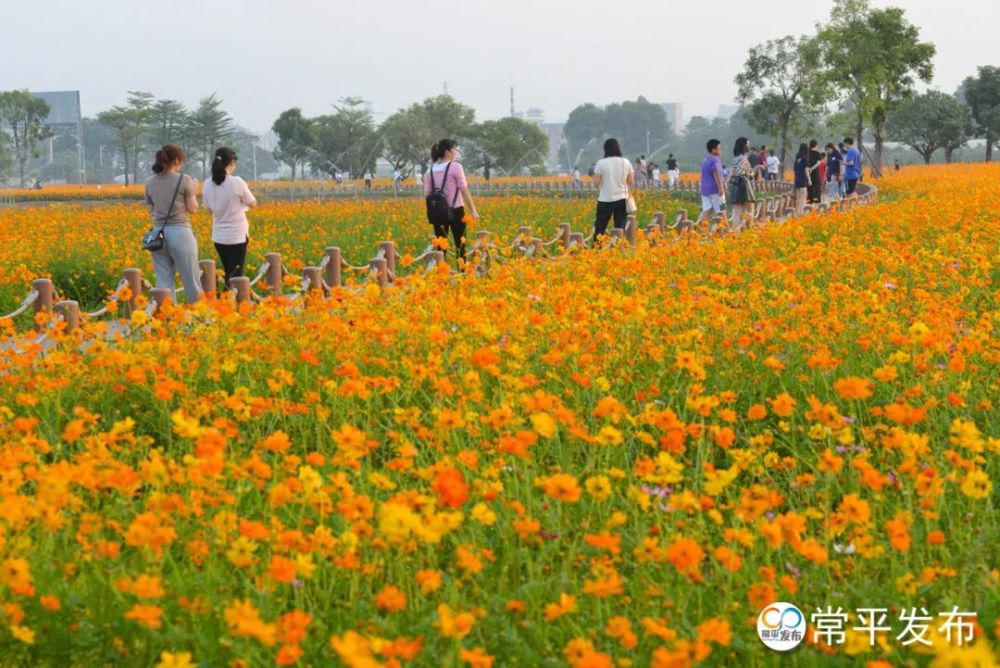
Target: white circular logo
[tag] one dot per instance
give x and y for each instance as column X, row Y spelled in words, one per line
column 781, row 626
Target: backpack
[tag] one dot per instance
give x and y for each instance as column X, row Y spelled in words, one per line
column 439, row 211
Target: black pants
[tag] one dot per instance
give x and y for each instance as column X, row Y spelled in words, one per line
column 457, row 226
column 815, row 188
column 233, row 257
column 605, row 210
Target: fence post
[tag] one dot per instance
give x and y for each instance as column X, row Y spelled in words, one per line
column 333, row 266
column 241, row 284
column 381, row 274
column 273, row 276
column 43, row 303
column 630, row 228
column 207, row 276
column 565, row 231
column 435, row 258
column 576, row 239
column 524, row 232
column 389, row 252
column 617, row 234
column 70, row 312
column 659, row 219
column 314, row 277
column 161, row 296
column 134, row 278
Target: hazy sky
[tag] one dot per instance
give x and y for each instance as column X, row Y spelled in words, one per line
column 263, row 56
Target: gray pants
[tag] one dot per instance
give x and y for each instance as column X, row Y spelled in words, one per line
column 178, row 255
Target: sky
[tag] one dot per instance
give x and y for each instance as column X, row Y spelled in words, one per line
column 264, row 56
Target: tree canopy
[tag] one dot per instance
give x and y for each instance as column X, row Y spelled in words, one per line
column 930, row 122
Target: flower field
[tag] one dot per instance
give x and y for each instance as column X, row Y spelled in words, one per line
column 105, row 239
column 614, row 459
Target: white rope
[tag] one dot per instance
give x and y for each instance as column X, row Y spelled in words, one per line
column 260, row 273
column 28, row 301
column 48, row 328
column 114, row 299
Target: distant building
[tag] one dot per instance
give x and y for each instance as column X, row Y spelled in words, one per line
column 727, row 111
column 64, row 119
column 675, row 115
column 532, row 115
column 557, row 139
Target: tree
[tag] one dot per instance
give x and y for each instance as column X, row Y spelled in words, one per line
column 22, row 116
column 5, row 156
column 345, row 138
column 877, row 56
column 931, row 121
column 210, row 126
column 130, row 122
column 639, row 125
column 407, row 135
column 586, row 125
column 512, row 143
column 405, row 139
column 296, row 136
column 779, row 81
column 169, row 122
column 982, row 94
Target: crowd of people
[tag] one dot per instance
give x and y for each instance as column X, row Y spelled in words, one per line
column 833, row 175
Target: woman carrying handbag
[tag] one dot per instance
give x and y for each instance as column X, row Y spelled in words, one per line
column 741, row 195
column 170, row 198
column 614, row 176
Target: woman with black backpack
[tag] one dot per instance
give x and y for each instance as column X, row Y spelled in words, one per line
column 443, row 183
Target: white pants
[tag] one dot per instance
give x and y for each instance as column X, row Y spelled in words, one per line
column 178, row 255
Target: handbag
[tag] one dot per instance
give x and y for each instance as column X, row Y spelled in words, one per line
column 153, row 240
column 630, row 206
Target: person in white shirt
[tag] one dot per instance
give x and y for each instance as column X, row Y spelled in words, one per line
column 614, row 176
column 368, row 179
column 576, row 178
column 229, row 198
column 656, row 176
column 772, row 166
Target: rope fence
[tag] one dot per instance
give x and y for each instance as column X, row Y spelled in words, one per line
column 382, row 269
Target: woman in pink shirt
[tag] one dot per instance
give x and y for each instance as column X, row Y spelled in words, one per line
column 446, row 175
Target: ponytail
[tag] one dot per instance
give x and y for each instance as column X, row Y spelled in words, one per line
column 168, row 155
column 223, row 158
column 442, row 147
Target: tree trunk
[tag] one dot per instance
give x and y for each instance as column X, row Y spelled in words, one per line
column 293, row 169
column 947, row 154
column 783, row 150
column 879, row 150
column 125, row 155
column 21, row 161
column 989, row 147
column 927, row 157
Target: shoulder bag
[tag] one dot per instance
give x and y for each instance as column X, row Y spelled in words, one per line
column 630, row 206
column 153, row 240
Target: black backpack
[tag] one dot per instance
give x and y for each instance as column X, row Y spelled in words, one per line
column 439, row 211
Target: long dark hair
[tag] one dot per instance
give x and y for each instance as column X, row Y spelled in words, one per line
column 803, row 150
column 166, row 156
column 612, row 149
column 740, row 147
column 223, row 158
column 442, row 147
